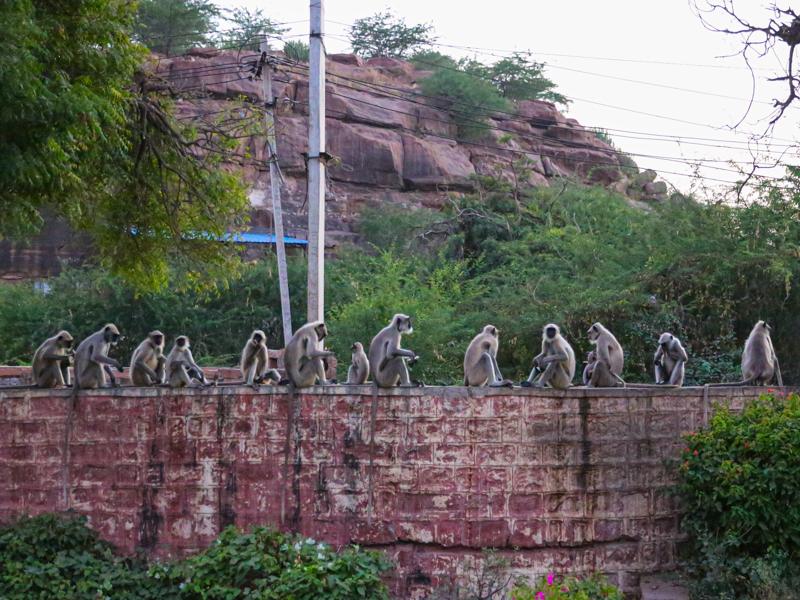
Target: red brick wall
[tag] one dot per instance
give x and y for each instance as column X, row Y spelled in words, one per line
column 572, row 481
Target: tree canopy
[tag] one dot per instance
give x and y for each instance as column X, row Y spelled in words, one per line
column 173, row 26
column 85, row 135
column 384, row 34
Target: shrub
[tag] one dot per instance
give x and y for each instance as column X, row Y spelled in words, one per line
column 739, row 481
column 551, row 587
column 296, row 50
column 53, row 556
column 383, row 34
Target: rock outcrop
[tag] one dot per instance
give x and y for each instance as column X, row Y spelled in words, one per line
column 389, row 142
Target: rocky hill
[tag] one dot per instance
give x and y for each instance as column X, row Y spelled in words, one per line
column 390, row 143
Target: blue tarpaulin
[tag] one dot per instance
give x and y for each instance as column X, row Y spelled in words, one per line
column 262, row 238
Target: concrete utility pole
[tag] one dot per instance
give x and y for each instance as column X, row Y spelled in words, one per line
column 316, row 166
column 275, row 188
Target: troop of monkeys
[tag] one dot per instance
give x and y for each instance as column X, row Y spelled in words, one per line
column 305, row 360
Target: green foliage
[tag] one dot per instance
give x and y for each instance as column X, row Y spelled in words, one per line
column 474, row 90
column 64, row 73
column 77, row 141
column 248, row 28
column 469, row 99
column 738, row 484
column 373, row 288
column 56, row 557
column 552, row 587
column 519, row 77
column 296, row 50
column 53, row 557
column 384, row 34
column 269, row 565
column 173, row 26
column 217, row 322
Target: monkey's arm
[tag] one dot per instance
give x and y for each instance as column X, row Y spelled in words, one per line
column 558, row 357
column 102, row 360
column 53, row 356
column 150, row 373
column 658, row 355
column 681, row 354
column 536, row 359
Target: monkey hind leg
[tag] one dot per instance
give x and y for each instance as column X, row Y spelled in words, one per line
column 676, row 377
column 661, row 374
column 532, row 377
column 496, row 379
column 394, row 373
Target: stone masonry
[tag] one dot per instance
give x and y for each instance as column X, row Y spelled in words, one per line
column 567, row 481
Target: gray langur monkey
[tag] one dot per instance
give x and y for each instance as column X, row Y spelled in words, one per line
column 480, row 360
column 304, row 358
column 92, row 362
column 358, row 373
column 50, row 366
column 759, row 361
column 554, row 366
column 254, row 363
column 387, row 359
column 181, row 368
column 669, row 360
column 609, row 355
column 148, row 361
column 591, row 361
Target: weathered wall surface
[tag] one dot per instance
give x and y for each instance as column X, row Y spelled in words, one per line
column 571, row 481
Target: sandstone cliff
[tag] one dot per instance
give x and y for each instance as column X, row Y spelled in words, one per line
column 390, row 143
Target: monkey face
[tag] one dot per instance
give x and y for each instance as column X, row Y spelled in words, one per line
column 64, row 340
column 593, row 333
column 356, row 347
column 665, row 339
column 257, row 339
column 551, row 331
column 591, row 357
column 322, row 331
column 491, row 330
column 182, row 341
column 157, row 337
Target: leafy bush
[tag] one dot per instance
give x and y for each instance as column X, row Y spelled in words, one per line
column 593, row 587
column 296, row 50
column 52, row 556
column 739, row 481
column 383, row 34
column 248, row 27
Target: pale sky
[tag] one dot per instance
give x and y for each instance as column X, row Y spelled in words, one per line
column 591, row 31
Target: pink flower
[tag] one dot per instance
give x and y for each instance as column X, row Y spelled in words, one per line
column 539, row 595
column 550, row 578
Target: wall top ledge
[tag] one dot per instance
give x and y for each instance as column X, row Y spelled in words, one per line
column 368, row 391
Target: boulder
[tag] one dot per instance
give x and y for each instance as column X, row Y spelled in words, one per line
column 432, row 163
column 346, row 59
column 541, row 114
column 655, row 188
column 365, row 155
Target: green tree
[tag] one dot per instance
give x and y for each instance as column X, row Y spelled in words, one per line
column 519, row 77
column 248, row 27
column 80, row 139
column 173, row 26
column 469, row 97
column 383, row 34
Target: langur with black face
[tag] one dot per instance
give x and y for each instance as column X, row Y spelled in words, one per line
column 50, row 366
column 610, row 358
column 480, row 360
column 669, row 360
column 554, row 366
column 181, row 369
column 92, row 362
column 304, row 358
column 254, row 363
column 387, row 359
column 148, row 361
column 358, row 373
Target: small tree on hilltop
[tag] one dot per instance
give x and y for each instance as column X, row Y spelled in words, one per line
column 248, row 26
column 383, row 34
column 173, row 26
column 519, row 77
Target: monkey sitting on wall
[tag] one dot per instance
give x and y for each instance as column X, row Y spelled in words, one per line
column 181, row 370
column 92, row 362
column 669, row 360
column 609, row 358
column 554, row 366
column 480, row 360
column 358, row 373
column 387, row 359
column 304, row 358
column 148, row 361
column 759, row 361
column 255, row 361
column 50, row 366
